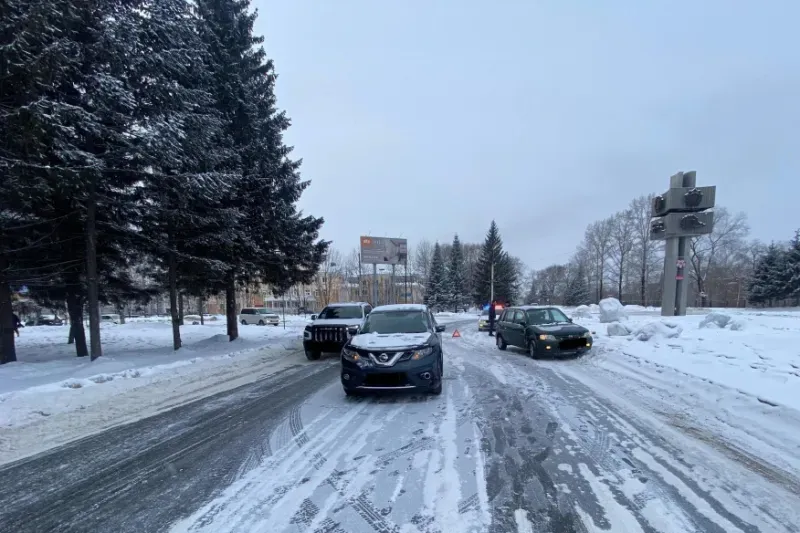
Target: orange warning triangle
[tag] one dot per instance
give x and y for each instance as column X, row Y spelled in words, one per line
column 456, row 334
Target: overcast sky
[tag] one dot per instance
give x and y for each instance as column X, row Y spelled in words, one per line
column 425, row 118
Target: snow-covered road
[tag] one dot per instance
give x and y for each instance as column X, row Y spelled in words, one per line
column 512, row 445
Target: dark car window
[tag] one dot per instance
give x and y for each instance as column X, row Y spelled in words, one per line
column 546, row 316
column 396, row 322
column 344, row 312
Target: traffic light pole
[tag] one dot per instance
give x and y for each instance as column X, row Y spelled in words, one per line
column 673, row 299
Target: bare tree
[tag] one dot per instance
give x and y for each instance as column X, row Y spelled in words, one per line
column 598, row 244
column 729, row 231
column 644, row 249
column 622, row 242
column 328, row 276
column 423, row 257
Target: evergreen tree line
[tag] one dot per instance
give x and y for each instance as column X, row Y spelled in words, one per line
column 449, row 284
column 141, row 139
column 776, row 275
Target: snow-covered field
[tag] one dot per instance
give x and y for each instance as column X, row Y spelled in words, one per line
column 50, row 396
column 757, row 352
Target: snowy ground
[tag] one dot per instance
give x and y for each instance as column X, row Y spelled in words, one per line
column 638, row 436
column 50, row 397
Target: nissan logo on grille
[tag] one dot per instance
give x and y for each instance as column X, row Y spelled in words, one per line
column 383, row 357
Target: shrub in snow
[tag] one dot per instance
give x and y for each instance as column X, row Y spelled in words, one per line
column 582, row 311
column 715, row 320
column 611, row 310
column 615, row 329
column 667, row 330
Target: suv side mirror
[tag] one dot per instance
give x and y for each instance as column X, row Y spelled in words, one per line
column 352, row 330
column 570, row 320
column 440, row 328
column 313, row 317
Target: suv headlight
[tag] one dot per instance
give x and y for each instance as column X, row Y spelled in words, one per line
column 587, row 334
column 422, row 352
column 307, row 333
column 547, row 337
column 350, row 355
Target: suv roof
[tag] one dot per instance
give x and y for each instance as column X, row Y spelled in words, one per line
column 401, row 307
column 527, row 307
column 346, row 304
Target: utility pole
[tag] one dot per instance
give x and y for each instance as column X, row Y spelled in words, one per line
column 678, row 215
column 491, row 290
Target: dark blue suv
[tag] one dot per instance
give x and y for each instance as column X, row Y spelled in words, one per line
column 397, row 347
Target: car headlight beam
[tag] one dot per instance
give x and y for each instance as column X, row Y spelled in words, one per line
column 547, row 337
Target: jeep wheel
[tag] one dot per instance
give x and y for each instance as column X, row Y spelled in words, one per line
column 313, row 355
column 501, row 343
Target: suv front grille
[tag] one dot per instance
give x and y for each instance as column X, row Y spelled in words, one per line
column 330, row 334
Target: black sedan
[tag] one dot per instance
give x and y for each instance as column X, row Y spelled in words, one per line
column 398, row 347
column 542, row 331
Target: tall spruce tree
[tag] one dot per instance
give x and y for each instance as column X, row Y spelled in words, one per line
column 456, row 272
column 265, row 182
column 436, row 291
column 577, row 291
column 792, row 266
column 766, row 284
column 492, row 255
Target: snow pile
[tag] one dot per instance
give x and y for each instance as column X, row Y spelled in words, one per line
column 756, row 352
column 717, row 320
column 657, row 329
column 582, row 311
column 611, row 310
column 594, row 308
column 615, row 329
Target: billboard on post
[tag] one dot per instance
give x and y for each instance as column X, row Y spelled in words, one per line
column 383, row 250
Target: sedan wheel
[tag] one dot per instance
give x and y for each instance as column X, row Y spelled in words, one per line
column 532, row 349
column 501, row 343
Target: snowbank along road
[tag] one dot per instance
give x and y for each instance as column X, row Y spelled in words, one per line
column 512, row 445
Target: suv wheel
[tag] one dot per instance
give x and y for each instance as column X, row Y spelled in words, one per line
column 501, row 343
column 313, row 355
column 437, row 389
column 351, row 392
column 244, row 322
column 260, row 322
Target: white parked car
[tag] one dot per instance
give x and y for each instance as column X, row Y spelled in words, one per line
column 110, row 318
column 258, row 315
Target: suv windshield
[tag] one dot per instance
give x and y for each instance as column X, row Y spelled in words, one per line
column 344, row 312
column 395, row 322
column 546, row 316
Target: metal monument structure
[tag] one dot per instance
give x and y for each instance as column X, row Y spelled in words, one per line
column 384, row 251
column 678, row 215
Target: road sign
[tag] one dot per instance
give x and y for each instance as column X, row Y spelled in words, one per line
column 681, row 263
column 456, row 334
column 383, row 251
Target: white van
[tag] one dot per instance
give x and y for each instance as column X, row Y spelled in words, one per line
column 112, row 318
column 258, row 315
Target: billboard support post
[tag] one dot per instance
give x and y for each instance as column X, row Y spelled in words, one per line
column 374, row 284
